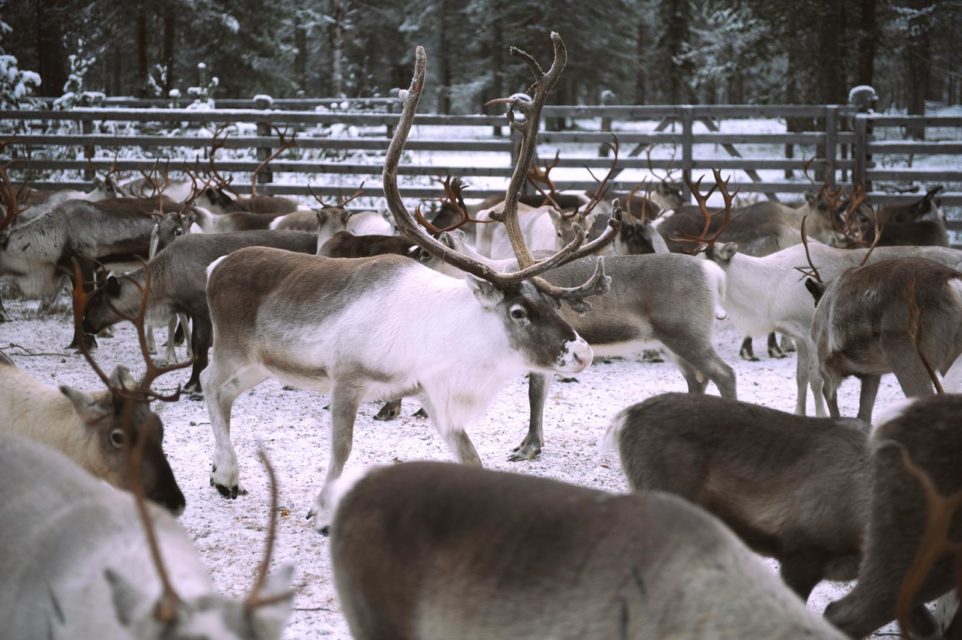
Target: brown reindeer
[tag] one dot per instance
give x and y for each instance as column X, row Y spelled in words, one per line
column 438, row 551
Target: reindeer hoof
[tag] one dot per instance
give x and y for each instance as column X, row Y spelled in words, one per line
column 227, row 492
column 525, row 451
column 389, row 411
column 325, row 530
column 748, row 355
column 88, row 339
column 420, row 413
column 567, row 379
column 776, row 352
column 652, row 355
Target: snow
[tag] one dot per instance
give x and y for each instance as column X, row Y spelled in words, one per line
column 292, row 425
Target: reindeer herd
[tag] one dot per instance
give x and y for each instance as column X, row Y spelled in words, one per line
column 446, row 307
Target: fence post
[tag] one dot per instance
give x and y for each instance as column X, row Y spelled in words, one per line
column 264, row 102
column 687, row 122
column 831, row 153
column 87, row 128
column 860, row 150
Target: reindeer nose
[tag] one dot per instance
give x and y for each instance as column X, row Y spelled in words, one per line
column 575, row 356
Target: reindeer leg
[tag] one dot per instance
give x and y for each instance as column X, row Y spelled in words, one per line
column 787, row 344
column 866, row 398
column 774, row 351
column 530, row 447
column 746, row 352
column 801, row 571
column 700, row 363
column 454, row 436
column 345, row 400
column 803, row 364
column 224, row 381
column 170, row 354
column 151, row 340
column 200, row 338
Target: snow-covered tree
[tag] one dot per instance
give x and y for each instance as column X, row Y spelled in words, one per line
column 16, row 85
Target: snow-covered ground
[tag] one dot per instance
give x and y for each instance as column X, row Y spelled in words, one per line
column 293, row 428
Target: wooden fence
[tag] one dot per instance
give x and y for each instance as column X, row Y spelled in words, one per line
column 848, row 147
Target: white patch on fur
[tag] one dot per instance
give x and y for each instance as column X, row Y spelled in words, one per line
column 664, row 215
column 952, row 382
column 894, row 411
column 717, row 284
column 213, row 265
column 609, row 442
column 576, row 356
column 339, row 488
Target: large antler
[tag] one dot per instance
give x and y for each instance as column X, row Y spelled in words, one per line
column 529, row 268
column 9, row 197
column 702, row 241
column 935, row 540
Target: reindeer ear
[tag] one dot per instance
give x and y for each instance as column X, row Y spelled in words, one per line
column 129, row 601
column 817, row 289
column 723, row 253
column 89, row 408
column 113, row 286
column 487, row 294
column 121, row 378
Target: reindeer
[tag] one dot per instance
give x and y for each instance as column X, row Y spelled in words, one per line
column 36, row 253
column 88, row 428
column 334, row 217
column 430, row 550
column 859, row 327
column 75, row 550
column 768, row 294
column 347, row 245
column 917, row 223
column 308, row 321
column 628, row 318
column 915, row 463
column 179, row 284
column 790, row 487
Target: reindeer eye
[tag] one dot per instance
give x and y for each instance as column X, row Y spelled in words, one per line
column 178, row 231
column 518, row 312
column 117, row 438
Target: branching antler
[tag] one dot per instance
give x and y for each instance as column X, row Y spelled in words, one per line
column 342, row 201
column 935, row 541
column 702, row 241
column 453, row 198
column 604, row 184
column 285, row 143
column 524, row 114
column 216, row 144
column 530, row 110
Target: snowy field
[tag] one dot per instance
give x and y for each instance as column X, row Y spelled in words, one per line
column 293, row 427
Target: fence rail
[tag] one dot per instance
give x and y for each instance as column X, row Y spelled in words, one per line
column 847, row 147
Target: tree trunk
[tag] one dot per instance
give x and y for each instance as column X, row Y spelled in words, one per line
column 917, row 63
column 300, row 55
column 830, row 53
column 641, row 68
column 867, row 43
column 170, row 38
column 337, row 48
column 141, row 45
column 444, row 64
column 51, row 56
